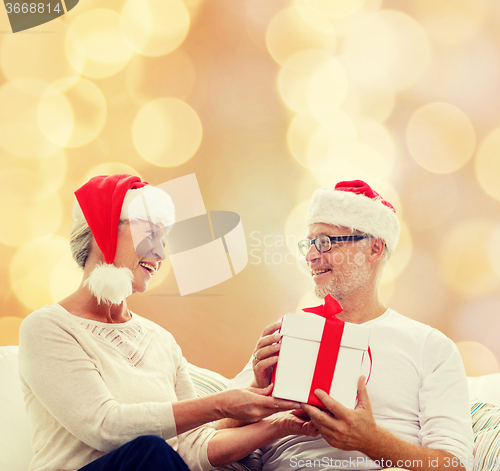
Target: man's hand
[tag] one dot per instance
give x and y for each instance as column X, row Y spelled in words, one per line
column 341, row 427
column 264, row 355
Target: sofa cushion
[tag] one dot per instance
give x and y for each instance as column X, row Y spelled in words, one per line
column 206, row 381
column 486, row 428
column 15, row 432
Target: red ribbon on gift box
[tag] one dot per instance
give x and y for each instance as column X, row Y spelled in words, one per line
column 328, row 348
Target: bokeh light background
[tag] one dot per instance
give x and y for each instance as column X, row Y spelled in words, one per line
column 265, row 101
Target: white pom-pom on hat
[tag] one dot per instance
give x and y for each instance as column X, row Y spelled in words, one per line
column 109, row 283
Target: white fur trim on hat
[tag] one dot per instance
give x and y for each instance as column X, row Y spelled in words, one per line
column 147, row 203
column 355, row 212
column 109, row 283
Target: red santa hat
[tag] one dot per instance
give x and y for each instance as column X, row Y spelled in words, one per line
column 355, row 205
column 105, row 200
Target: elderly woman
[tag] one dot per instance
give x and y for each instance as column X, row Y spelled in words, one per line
column 106, row 389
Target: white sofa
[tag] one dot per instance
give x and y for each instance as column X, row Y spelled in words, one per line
column 15, row 441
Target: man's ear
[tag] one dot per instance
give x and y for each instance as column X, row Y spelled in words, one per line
column 377, row 249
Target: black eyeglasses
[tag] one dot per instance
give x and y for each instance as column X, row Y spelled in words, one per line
column 323, row 243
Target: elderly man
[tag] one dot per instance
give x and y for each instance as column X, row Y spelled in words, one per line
column 414, row 411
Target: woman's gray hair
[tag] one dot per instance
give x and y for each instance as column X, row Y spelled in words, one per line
column 80, row 241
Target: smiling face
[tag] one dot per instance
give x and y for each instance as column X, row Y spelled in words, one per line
column 140, row 248
column 344, row 269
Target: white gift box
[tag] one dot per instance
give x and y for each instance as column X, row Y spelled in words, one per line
column 301, row 336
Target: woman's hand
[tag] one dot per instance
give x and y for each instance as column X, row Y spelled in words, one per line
column 295, row 422
column 264, row 355
column 251, row 404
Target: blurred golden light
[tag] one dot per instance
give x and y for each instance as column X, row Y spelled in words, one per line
column 305, row 186
column 144, row 84
column 94, row 44
column 395, row 41
column 24, row 185
column 421, row 290
column 300, row 132
column 478, row 359
column 451, row 22
column 494, row 248
column 401, row 256
column 327, row 140
column 167, row 132
column 465, row 261
column 296, row 228
column 322, row 134
column 429, row 199
column 346, row 24
column 313, row 82
column 440, row 137
column 487, row 164
column 31, row 269
column 40, row 56
column 339, row 129
column 30, row 206
column 24, row 216
column 65, row 278
column 193, row 7
column 20, row 134
column 52, row 169
column 110, row 168
column 371, row 92
column 478, row 321
column 348, row 161
column 72, row 113
column 9, row 330
column 327, row 89
column 335, row 8
column 154, row 27
column 377, row 136
column 258, row 15
column 297, row 28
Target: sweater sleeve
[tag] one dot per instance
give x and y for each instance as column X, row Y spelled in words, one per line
column 192, row 445
column 445, row 418
column 65, row 380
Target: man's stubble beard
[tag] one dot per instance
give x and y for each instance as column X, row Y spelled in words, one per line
column 344, row 281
